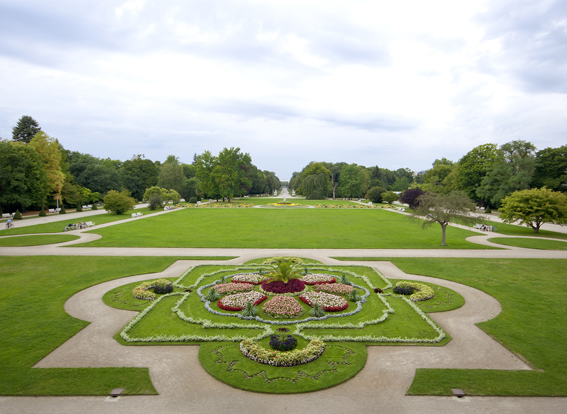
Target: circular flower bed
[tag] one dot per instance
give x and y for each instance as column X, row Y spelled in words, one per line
column 143, row 291
column 255, row 352
column 318, row 278
column 253, row 278
column 337, row 288
column 329, row 302
column 226, row 288
column 276, row 287
column 283, row 344
column 238, row 301
column 283, row 307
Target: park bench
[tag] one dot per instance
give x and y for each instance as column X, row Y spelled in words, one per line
column 6, row 215
column 51, row 210
column 137, row 215
column 89, row 223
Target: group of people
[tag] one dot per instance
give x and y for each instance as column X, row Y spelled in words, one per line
column 79, row 225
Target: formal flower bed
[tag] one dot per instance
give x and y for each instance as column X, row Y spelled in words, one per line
column 253, row 278
column 255, row 352
column 238, row 301
column 272, row 260
column 293, row 286
column 337, row 288
column 317, row 278
column 329, row 302
column 284, row 344
column 283, row 307
column 143, row 291
column 424, row 292
column 227, row 288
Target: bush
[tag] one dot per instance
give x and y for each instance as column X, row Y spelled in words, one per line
column 213, row 295
column 17, row 215
column 488, row 210
column 62, row 211
column 375, row 194
column 250, row 310
column 155, row 202
column 353, row 296
column 42, row 212
column 79, row 208
column 410, row 197
column 118, row 203
column 193, row 200
column 283, row 344
column 389, row 197
column 316, row 311
column 95, row 207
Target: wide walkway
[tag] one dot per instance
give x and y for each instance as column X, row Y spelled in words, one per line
column 184, row 387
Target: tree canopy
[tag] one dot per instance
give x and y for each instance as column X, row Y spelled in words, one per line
column 25, row 129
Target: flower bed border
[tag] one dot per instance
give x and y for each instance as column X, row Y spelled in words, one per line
column 278, row 358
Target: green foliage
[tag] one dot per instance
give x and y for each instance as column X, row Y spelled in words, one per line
column 193, row 200
column 17, row 215
column 161, row 192
column 155, row 202
column 212, row 295
column 317, row 311
column 351, row 181
column 375, row 194
column 118, row 203
column 62, row 211
column 171, row 177
column 250, row 310
column 93, row 173
column 388, row 196
column 42, row 212
column 551, row 168
column 315, row 181
column 79, row 208
column 354, row 296
column 285, row 270
column 474, row 165
column 535, row 207
column 25, row 129
column 138, row 174
column 95, row 207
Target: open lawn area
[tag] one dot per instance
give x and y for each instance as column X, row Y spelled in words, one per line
column 533, row 295
column 32, row 311
column 271, row 228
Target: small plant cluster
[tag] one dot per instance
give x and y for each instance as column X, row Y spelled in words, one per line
column 253, row 278
column 250, row 349
column 282, row 342
column 283, row 307
column 422, row 292
column 329, row 302
column 238, row 301
column 231, row 205
column 277, row 287
column 228, row 288
column 159, row 286
column 276, row 259
column 318, row 278
column 336, row 288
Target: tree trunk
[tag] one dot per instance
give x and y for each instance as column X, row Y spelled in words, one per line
column 444, row 227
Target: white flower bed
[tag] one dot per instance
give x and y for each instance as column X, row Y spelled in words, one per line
column 224, row 288
column 317, row 278
column 254, row 278
column 337, row 288
column 325, row 300
column 239, row 300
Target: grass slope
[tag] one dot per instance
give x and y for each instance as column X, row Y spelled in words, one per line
column 302, row 229
column 35, row 240
column 530, row 243
column 32, row 311
column 533, row 294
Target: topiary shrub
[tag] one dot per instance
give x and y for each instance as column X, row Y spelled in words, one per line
column 488, row 210
column 95, row 207
column 79, row 208
column 62, row 211
column 193, row 200
column 17, row 215
column 42, row 212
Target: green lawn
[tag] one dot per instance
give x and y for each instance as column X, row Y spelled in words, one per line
column 516, row 230
column 57, row 227
column 530, row 243
column 35, row 240
column 35, row 323
column 533, row 295
column 271, row 228
column 262, row 201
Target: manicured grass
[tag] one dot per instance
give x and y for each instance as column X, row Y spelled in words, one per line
column 265, row 200
column 445, row 299
column 58, row 226
column 533, row 294
column 530, row 243
column 35, row 240
column 338, row 363
column 261, row 261
column 272, row 228
column 35, row 323
column 515, row 230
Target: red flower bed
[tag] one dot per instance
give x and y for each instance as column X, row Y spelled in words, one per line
column 238, row 308
column 322, row 282
column 294, row 285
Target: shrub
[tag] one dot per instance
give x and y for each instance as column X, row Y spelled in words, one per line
column 377, row 290
column 155, row 202
column 62, row 211
column 374, row 194
column 410, row 197
column 118, row 203
column 250, row 310
column 212, row 295
column 193, row 200
column 488, row 210
column 316, row 312
column 79, row 208
column 17, row 215
column 95, row 207
column 389, row 197
column 353, row 296
column 42, row 212
column 284, row 344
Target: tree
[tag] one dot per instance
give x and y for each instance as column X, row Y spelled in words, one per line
column 375, row 194
column 48, row 149
column 551, row 168
column 23, row 180
column 335, row 169
column 138, row 174
column 229, row 174
column 119, row 203
column 206, row 162
column 535, row 207
column 411, row 197
column 92, row 173
column 474, row 165
column 161, row 192
column 25, row 129
column 171, row 176
column 315, row 181
column 444, row 209
column 388, row 196
column 512, row 171
column 351, row 181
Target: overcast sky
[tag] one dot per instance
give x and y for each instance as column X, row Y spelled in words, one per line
column 389, row 83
